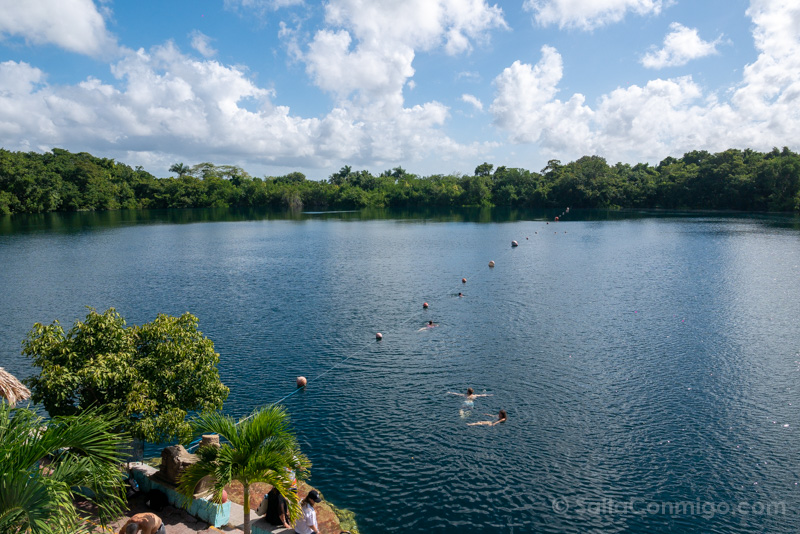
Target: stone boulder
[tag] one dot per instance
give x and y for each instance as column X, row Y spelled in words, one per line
column 174, row 460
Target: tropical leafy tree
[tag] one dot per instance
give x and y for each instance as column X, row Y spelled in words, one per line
column 257, row 448
column 152, row 374
column 733, row 179
column 45, row 465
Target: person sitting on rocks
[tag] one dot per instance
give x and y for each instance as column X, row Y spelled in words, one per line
column 307, row 523
column 277, row 509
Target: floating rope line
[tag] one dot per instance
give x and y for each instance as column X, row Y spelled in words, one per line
column 362, row 349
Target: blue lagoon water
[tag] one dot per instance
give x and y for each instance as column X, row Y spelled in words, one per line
column 649, row 364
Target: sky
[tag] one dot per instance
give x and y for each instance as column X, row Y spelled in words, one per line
column 433, row 86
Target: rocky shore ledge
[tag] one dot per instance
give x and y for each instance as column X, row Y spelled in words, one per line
column 331, row 520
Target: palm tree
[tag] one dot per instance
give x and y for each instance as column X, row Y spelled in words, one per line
column 180, row 169
column 257, row 448
column 46, row 465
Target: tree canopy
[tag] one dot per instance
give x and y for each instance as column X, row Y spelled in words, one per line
column 734, row 179
column 153, row 374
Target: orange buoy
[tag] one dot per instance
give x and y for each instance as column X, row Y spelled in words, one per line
column 301, row 381
column 491, row 263
column 514, row 244
column 556, row 219
column 463, row 280
column 425, row 305
column 378, row 336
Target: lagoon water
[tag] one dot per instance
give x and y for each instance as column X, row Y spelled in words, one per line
column 649, row 364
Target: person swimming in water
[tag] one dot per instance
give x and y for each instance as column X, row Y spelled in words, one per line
column 430, row 324
column 501, row 418
column 469, row 401
column 470, row 395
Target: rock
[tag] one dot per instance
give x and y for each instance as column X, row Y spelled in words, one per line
column 174, row 460
column 209, row 439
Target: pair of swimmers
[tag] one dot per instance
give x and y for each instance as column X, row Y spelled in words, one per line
column 469, row 402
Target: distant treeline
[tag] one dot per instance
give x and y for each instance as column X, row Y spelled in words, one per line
column 743, row 180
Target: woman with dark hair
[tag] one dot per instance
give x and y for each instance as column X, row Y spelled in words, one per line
column 307, row 523
column 501, row 418
column 277, row 509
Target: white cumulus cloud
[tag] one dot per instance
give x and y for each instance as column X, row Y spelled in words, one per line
column 664, row 116
column 364, row 57
column 681, row 45
column 473, row 101
column 369, row 47
column 74, row 25
column 164, row 106
column 588, row 14
column 202, row 43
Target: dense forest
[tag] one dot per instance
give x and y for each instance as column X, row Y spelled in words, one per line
column 743, row 180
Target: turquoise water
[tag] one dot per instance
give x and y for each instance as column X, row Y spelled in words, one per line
column 649, row 364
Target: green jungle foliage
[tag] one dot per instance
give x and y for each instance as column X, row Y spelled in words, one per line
column 734, row 180
column 46, row 465
column 151, row 375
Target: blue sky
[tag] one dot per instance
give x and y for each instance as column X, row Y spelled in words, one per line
column 435, row 86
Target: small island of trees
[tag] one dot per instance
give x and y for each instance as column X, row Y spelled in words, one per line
column 744, row 180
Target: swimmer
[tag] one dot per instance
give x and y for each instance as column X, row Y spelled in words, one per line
column 471, row 395
column 501, row 418
column 460, row 295
column 430, row 324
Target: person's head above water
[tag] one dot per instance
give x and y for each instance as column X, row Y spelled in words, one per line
column 502, row 416
column 470, row 391
column 430, row 322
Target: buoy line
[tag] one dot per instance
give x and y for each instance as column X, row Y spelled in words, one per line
column 425, row 306
column 379, row 337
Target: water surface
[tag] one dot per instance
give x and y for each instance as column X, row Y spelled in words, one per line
column 649, row 363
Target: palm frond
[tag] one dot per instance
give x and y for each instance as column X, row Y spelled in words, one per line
column 80, row 451
column 257, row 448
column 215, row 423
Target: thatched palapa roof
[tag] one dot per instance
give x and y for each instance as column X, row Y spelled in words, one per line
column 12, row 389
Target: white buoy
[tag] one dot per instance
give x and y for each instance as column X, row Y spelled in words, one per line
column 514, row 244
column 378, row 336
column 491, row 263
